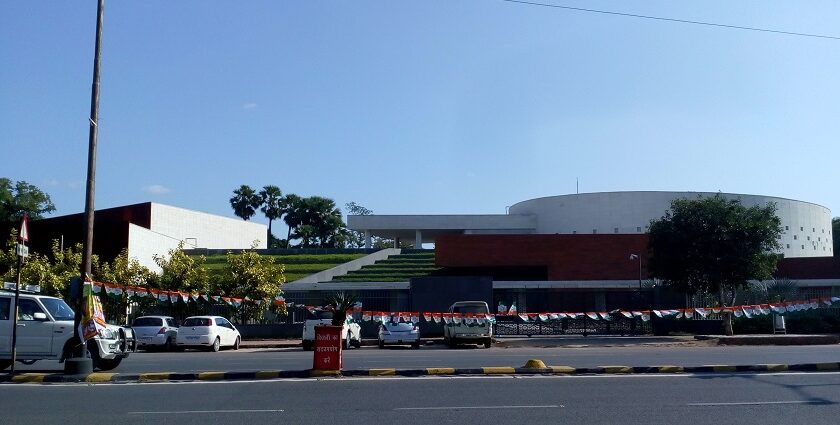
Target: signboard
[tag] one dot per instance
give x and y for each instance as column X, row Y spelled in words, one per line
column 327, row 348
column 24, row 229
column 22, row 250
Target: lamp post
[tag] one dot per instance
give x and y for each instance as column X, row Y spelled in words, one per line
column 638, row 257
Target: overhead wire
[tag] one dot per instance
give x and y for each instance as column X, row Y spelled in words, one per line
column 682, row 21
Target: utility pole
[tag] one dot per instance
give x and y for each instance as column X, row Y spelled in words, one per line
column 81, row 364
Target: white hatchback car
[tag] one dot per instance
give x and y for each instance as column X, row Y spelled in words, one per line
column 155, row 331
column 210, row 332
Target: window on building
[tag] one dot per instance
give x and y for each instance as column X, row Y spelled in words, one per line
column 801, row 229
column 809, row 238
column 794, row 237
column 813, row 229
column 615, row 230
column 803, row 246
column 594, row 231
column 574, row 232
column 639, row 229
column 788, row 246
column 787, row 228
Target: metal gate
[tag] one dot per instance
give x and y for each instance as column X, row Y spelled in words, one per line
column 580, row 326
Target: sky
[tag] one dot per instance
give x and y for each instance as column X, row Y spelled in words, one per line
column 420, row 107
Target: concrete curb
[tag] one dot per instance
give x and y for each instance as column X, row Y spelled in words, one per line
column 101, row 377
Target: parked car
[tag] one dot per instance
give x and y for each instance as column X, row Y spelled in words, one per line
column 351, row 332
column 462, row 332
column 45, row 332
column 399, row 334
column 209, row 332
column 155, row 332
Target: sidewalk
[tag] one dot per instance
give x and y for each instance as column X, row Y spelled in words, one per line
column 579, row 341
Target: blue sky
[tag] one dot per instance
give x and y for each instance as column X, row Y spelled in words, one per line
column 458, row 106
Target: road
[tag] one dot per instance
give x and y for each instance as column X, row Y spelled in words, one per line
column 720, row 399
column 438, row 356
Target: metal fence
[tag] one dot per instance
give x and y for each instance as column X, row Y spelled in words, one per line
column 580, row 326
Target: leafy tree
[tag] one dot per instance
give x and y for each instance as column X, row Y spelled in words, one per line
column 325, row 219
column 251, row 275
column 123, row 271
column 293, row 210
column 355, row 239
column 181, row 272
column 714, row 245
column 53, row 272
column 22, row 197
column 272, row 206
column 245, row 202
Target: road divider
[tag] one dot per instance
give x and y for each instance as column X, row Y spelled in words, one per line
column 533, row 367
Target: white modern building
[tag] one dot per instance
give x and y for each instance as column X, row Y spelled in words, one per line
column 806, row 226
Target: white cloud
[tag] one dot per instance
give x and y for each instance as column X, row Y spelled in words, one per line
column 157, row 189
column 249, row 106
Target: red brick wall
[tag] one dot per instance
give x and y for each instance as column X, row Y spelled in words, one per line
column 567, row 257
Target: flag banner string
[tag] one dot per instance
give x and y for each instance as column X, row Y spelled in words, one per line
column 163, row 295
column 746, row 310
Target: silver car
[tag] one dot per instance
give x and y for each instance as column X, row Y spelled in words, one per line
column 399, row 333
column 155, row 332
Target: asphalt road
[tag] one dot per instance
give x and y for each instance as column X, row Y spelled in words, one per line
column 720, row 399
column 439, row 356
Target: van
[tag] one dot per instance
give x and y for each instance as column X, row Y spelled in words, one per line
column 469, row 333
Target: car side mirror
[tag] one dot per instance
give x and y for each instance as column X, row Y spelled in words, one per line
column 40, row 316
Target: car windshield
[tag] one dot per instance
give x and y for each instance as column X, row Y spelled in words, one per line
column 147, row 321
column 58, row 309
column 197, row 321
column 391, row 326
column 470, row 308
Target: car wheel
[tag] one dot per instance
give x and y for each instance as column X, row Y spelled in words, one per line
column 4, row 364
column 347, row 342
column 236, row 344
column 357, row 343
column 415, row 345
column 307, row 345
column 216, row 345
column 487, row 343
column 452, row 343
column 381, row 344
column 167, row 346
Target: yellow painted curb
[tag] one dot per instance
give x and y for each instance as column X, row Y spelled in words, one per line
column 617, row 369
column 498, row 370
column 211, row 376
column 670, row 369
column 776, row 367
column 827, row 366
column 99, row 377
column 317, row 373
column 562, row 369
column 268, row 374
column 440, row 371
column 30, row 377
column 145, row 377
column 722, row 368
column 382, row 372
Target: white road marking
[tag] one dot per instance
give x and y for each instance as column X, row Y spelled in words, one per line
column 756, row 403
column 550, row 406
column 182, row 412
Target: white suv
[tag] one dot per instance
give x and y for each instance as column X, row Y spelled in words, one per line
column 45, row 332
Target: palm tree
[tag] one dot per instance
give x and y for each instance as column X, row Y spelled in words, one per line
column 245, row 202
column 292, row 209
column 272, row 200
column 341, row 302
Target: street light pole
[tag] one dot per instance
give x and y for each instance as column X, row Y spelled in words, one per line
column 639, row 257
column 81, row 364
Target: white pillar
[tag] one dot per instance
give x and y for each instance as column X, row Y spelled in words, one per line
column 418, row 239
column 368, row 242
